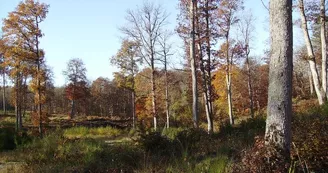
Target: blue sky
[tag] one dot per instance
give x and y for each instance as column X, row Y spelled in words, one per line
column 88, row 29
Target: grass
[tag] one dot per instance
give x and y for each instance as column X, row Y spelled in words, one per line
column 84, row 132
column 106, row 149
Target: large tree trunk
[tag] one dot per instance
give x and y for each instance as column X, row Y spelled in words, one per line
column 323, row 47
column 193, row 66
column 311, row 58
column 279, row 110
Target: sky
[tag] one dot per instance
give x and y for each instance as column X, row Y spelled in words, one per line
column 88, row 29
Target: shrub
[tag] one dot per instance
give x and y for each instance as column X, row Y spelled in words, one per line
column 7, row 140
column 156, row 144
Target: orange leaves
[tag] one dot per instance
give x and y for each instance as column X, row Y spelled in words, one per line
column 77, row 91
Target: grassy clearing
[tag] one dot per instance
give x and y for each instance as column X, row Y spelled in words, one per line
column 106, row 149
column 84, row 132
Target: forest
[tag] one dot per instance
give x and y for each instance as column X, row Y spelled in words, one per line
column 221, row 109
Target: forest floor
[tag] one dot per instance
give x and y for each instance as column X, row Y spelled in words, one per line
column 110, row 149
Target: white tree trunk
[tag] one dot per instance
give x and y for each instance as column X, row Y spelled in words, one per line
column 193, row 66
column 323, row 47
column 279, row 111
column 229, row 93
column 311, row 58
column 311, row 83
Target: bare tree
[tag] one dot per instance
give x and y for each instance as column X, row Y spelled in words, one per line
column 192, row 57
column 278, row 124
column 246, row 28
column 311, row 58
column 145, row 25
column 166, row 48
column 226, row 19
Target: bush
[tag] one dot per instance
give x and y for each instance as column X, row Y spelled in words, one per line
column 157, row 144
column 7, row 139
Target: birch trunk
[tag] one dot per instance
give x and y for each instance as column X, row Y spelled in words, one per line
column 279, row 111
column 153, row 89
column 310, row 82
column 323, row 47
column 208, row 69
column 228, row 80
column 193, row 66
column 311, row 58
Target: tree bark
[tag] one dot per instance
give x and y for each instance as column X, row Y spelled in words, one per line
column 133, row 109
column 323, row 47
column 249, row 83
column 153, row 89
column 193, row 66
column 228, row 80
column 208, row 69
column 311, row 58
column 310, row 82
column 167, row 104
column 279, row 110
column 4, row 92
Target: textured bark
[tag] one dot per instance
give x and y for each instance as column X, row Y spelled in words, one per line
column 193, row 66
column 323, row 47
column 311, row 57
column 279, row 111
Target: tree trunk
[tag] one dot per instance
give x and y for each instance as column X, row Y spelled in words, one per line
column 311, row 58
column 205, row 93
column 73, row 109
column 167, row 105
column 193, row 66
column 323, row 47
column 153, row 89
column 18, row 104
column 4, row 92
column 249, row 82
column 229, row 93
column 208, row 69
column 133, row 101
column 228, row 80
column 279, row 110
column 311, row 83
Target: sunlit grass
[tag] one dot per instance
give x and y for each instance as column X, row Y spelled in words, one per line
column 85, row 132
